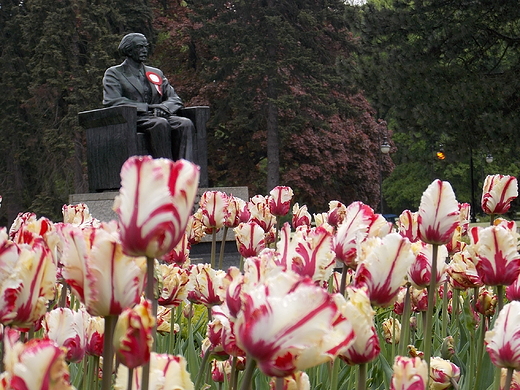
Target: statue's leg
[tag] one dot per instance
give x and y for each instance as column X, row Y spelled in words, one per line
column 159, row 134
column 183, row 137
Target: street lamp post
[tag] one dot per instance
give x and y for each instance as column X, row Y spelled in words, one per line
column 489, row 160
column 385, row 149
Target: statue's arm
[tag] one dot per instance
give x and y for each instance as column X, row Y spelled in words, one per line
column 113, row 91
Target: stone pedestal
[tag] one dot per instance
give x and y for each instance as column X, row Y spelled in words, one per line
column 100, row 205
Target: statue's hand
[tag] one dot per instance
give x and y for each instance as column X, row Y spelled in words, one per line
column 159, row 110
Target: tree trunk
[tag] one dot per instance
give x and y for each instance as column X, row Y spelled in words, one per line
column 273, row 146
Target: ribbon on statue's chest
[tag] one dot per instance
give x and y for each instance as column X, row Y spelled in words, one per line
column 156, row 80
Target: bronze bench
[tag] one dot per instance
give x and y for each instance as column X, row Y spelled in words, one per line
column 112, row 138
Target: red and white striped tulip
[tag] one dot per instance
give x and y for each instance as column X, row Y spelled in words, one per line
column 313, row 253
column 133, row 335
column 443, row 373
column 31, row 285
column 234, row 210
column 174, row 286
column 260, row 213
column 288, row 324
column 154, row 203
column 498, row 193
column 513, row 290
column 391, row 328
column 336, row 214
column 250, row 239
column 104, row 279
column 419, row 273
column 214, row 209
column 180, row 254
column 382, row 267
column 207, row 286
column 95, row 335
column 409, row 374
column 494, row 252
column 439, row 213
column 36, row 365
column 227, row 336
column 195, row 230
column 503, row 341
column 407, row 225
column 352, row 231
column 166, row 372
column 280, row 200
column 462, row 271
column 68, row 329
column 365, row 347
column 78, row 215
column 300, row 216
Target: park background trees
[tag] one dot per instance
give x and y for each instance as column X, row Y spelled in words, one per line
column 301, row 92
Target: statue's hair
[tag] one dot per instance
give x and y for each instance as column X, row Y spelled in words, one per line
column 126, row 43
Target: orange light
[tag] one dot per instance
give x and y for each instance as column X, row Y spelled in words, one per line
column 441, row 155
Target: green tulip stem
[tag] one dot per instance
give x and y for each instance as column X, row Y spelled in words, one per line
column 150, row 295
column 202, row 369
column 222, row 248
column 213, row 247
column 509, row 378
column 108, row 352
column 405, row 323
column 444, row 331
column 130, row 378
column 343, row 283
column 432, row 289
column 248, row 373
column 362, row 376
column 500, row 298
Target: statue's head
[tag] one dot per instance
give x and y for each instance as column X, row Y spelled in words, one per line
column 135, row 46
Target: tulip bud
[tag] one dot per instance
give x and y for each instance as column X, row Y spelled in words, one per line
column 414, row 352
column 391, row 330
column 447, row 348
column 486, row 302
column 413, row 323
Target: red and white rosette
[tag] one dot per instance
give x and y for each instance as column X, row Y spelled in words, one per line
column 156, row 80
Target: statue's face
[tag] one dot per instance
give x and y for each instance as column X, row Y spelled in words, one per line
column 139, row 52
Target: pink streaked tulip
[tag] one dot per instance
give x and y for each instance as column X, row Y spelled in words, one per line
column 68, row 329
column 336, row 214
column 439, row 213
column 313, row 253
column 300, row 216
column 133, row 335
column 288, row 324
column 31, row 285
column 220, row 370
column 443, row 373
column 174, row 286
column 280, row 200
column 409, row 374
column 36, row 365
column 464, row 217
column 195, row 230
column 486, row 302
column 214, row 208
column 352, row 231
column 494, row 252
column 365, row 347
column 382, row 267
column 234, row 209
column 419, row 273
column 227, row 334
column 260, row 213
column 250, row 239
column 297, row 381
column 166, row 372
column 23, row 220
column 180, row 254
column 407, row 225
column 462, row 271
column 97, row 271
column 498, row 193
column 95, row 335
column 154, row 203
column 513, row 290
column 9, row 255
column 503, row 341
column 391, row 328
column 206, row 285
column 419, row 299
column 78, row 215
